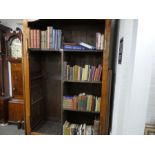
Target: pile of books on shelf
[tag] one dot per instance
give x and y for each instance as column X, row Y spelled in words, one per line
column 78, row 46
column 88, row 73
column 80, row 129
column 99, row 41
column 82, row 102
column 50, row 38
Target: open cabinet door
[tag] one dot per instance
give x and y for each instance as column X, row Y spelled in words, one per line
column 33, row 86
column 105, row 107
column 26, row 82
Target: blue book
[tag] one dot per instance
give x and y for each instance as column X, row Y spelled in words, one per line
column 51, row 37
column 75, row 47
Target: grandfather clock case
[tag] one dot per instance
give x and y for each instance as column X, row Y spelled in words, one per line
column 4, row 84
column 14, row 55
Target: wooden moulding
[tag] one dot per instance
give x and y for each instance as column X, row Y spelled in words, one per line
column 104, row 109
column 25, row 65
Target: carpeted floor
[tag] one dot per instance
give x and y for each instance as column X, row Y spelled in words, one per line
column 10, row 130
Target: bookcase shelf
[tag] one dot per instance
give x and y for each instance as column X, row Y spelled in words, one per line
column 44, row 80
column 65, row 50
column 44, row 50
column 91, row 82
column 83, row 51
column 92, row 112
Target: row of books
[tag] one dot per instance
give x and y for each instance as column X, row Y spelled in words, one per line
column 99, row 41
column 82, row 102
column 79, row 129
column 50, row 38
column 88, row 73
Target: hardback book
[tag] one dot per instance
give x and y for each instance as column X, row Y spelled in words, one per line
column 102, row 41
column 98, row 40
column 87, row 45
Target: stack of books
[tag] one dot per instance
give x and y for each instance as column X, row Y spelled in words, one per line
column 77, row 73
column 77, row 129
column 78, row 46
column 82, row 102
column 50, row 38
column 99, row 41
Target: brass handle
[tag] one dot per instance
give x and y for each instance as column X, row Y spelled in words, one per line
column 14, row 88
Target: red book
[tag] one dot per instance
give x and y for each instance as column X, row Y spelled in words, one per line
column 37, row 38
column 34, row 38
column 31, row 39
column 96, row 72
column 100, row 71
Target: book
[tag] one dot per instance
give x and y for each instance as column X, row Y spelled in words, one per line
column 73, row 47
column 77, row 73
column 87, row 45
column 80, row 129
column 31, row 39
column 99, row 41
column 102, row 41
column 82, row 102
column 65, row 70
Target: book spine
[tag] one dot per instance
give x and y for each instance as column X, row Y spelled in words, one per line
column 71, row 73
column 60, row 38
column 65, row 70
column 51, row 37
column 34, row 38
column 37, row 39
column 100, row 72
column 45, row 37
column 55, row 45
column 31, row 39
column 98, row 40
column 102, row 41
column 48, row 37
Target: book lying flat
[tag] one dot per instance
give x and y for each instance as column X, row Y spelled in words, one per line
column 87, row 45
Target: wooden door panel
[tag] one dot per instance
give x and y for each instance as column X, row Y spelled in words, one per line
column 17, row 82
column 16, row 110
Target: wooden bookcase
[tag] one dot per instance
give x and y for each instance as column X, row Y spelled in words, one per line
column 44, row 85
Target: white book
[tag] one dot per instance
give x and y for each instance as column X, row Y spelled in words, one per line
column 83, row 73
column 86, row 45
column 86, row 73
column 102, row 41
column 98, row 40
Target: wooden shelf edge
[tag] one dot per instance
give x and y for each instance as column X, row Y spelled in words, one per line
column 92, row 112
column 76, row 81
column 64, row 50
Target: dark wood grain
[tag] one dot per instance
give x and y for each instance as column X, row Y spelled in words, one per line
column 17, row 80
column 16, row 110
column 4, row 109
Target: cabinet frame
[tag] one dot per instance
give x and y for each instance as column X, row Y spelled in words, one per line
column 105, row 104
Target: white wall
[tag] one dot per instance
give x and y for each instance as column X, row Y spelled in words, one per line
column 132, row 80
column 12, row 23
column 150, row 118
